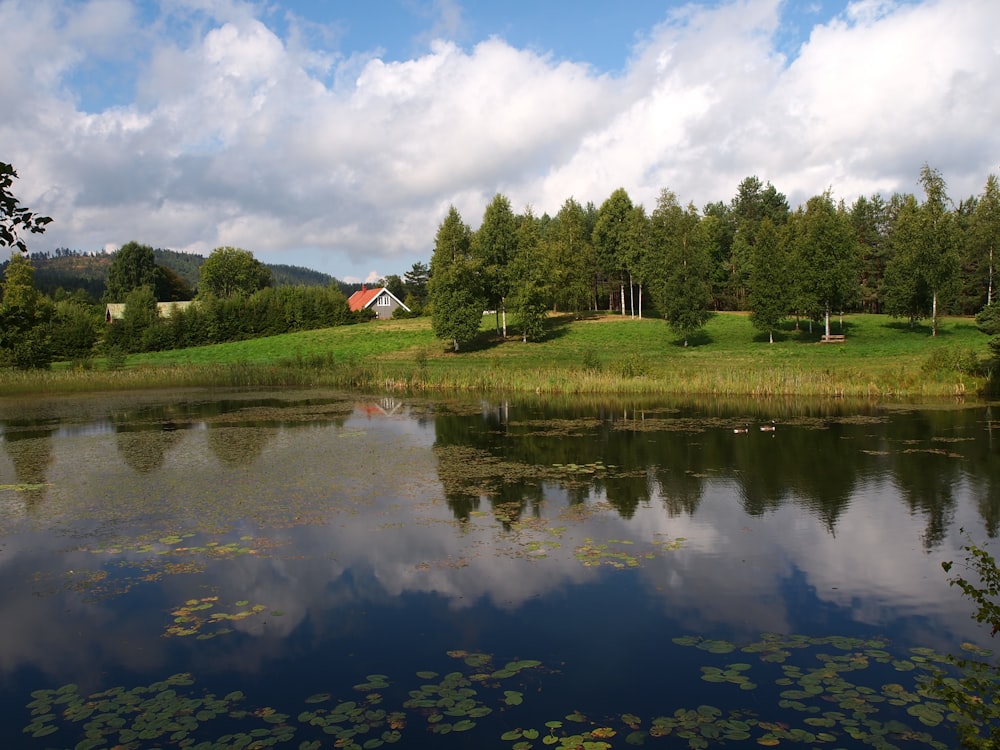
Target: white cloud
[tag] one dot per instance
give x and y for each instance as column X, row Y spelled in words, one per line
column 239, row 136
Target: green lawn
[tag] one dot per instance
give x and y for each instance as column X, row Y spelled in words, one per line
column 881, row 357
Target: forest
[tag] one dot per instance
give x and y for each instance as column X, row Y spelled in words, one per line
column 906, row 256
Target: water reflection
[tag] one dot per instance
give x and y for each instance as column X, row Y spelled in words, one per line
column 30, row 451
column 369, row 530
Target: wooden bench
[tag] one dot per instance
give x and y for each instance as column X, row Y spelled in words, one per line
column 833, row 338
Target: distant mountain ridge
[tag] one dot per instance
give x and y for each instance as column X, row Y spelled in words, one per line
column 71, row 270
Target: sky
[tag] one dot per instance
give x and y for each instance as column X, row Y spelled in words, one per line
column 334, row 134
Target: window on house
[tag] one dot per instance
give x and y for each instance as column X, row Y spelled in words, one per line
column 383, row 300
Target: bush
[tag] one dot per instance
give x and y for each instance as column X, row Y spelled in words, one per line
column 988, row 320
column 632, row 366
column 963, row 361
column 591, row 362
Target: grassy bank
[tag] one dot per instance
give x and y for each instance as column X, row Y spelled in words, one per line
column 882, row 358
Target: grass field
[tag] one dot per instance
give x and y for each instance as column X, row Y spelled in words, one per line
column 881, row 358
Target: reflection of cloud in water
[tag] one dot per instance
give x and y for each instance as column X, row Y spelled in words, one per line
column 355, row 515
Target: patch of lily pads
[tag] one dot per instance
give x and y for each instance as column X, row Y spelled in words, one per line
column 819, row 703
column 195, row 617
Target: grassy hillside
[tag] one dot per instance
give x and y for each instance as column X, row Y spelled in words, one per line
column 881, row 358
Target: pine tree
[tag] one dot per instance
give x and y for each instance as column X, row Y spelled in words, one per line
column 456, row 297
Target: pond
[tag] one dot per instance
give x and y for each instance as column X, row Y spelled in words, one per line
column 316, row 569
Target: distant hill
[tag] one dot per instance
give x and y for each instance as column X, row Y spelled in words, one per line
column 72, row 269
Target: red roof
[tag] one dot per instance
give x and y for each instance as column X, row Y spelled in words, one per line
column 362, row 298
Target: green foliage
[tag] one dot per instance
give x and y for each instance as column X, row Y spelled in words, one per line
column 680, row 278
column 769, row 280
column 415, row 287
column 135, row 331
column 973, row 696
column 133, row 266
column 529, row 280
column 925, row 265
column 826, row 257
column 613, row 237
column 15, row 218
column 24, row 319
column 988, row 320
column 632, row 365
column 965, row 361
column 232, row 272
column 571, row 259
column 494, row 245
column 76, row 328
column 456, row 298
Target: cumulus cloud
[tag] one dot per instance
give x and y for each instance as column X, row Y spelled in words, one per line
column 239, row 132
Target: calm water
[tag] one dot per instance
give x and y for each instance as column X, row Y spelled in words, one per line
column 318, row 570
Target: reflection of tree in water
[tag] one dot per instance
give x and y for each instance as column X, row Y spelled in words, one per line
column 984, row 472
column 815, row 460
column 30, row 451
column 925, row 469
column 145, row 448
column 238, row 445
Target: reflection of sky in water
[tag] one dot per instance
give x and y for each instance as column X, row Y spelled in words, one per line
column 358, row 552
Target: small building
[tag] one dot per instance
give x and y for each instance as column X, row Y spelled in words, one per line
column 116, row 310
column 381, row 300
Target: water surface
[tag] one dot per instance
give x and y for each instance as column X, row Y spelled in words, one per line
column 305, row 569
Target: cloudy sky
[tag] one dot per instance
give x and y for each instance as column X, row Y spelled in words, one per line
column 334, row 135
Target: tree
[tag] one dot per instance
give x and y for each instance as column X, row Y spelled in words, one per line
column 719, row 226
column 133, row 266
column 986, row 234
column 171, row 286
column 938, row 245
column 612, row 239
column 906, row 294
column 826, row 258
column 232, row 272
column 415, row 286
column 637, row 260
column 394, row 284
column 973, row 696
column 135, row 331
column 529, row 280
column 769, row 280
column 925, row 264
column 494, row 245
column 24, row 319
column 571, row 257
column 870, row 219
column 682, row 290
column 13, row 216
column 753, row 203
column 456, row 298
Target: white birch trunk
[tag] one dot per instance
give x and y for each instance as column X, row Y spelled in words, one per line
column 934, row 314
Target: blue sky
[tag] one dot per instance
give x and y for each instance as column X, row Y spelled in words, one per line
column 335, row 134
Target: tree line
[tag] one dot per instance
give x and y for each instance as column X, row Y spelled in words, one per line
column 908, row 257
column 236, row 300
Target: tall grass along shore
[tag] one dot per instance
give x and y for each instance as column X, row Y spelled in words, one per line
column 880, row 358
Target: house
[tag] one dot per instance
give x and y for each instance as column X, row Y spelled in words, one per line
column 116, row 310
column 381, row 300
